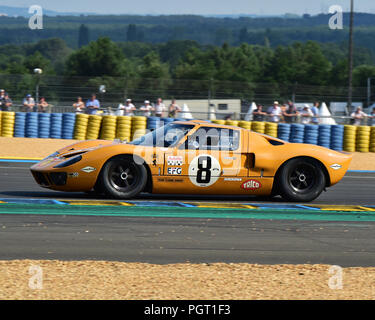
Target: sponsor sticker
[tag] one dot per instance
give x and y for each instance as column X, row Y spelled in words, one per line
column 251, row 185
column 175, row 160
column 336, row 166
column 73, row 174
column 88, row 169
column 174, row 170
column 232, row 179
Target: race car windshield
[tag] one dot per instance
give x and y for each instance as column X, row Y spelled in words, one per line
column 166, row 136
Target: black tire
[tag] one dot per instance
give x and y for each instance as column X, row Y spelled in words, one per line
column 301, row 180
column 122, row 178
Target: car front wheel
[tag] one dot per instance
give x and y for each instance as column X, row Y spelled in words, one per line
column 122, row 178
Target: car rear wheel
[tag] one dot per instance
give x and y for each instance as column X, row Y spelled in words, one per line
column 301, row 180
column 122, row 178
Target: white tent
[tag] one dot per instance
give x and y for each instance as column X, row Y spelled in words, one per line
column 249, row 114
column 325, row 113
column 212, row 112
column 186, row 112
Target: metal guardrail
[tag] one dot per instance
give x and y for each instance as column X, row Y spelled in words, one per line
column 369, row 121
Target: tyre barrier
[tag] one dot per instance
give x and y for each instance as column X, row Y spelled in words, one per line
column 337, row 137
column 44, row 123
column 124, row 128
column 271, row 129
column 372, row 139
column 218, row 121
column 311, row 134
column 324, row 138
column 108, row 128
column 93, row 127
column 7, row 123
column 139, row 126
column 68, row 121
column 245, row 124
column 153, row 123
column 349, row 138
column 283, row 131
column 56, row 125
column 31, row 126
column 231, row 123
column 297, row 132
column 258, row 126
column 80, row 126
column 362, row 143
column 20, row 125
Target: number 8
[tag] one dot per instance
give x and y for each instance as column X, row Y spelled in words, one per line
column 202, row 169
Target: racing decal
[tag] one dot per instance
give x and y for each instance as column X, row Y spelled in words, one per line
column 232, row 179
column 88, row 169
column 251, row 185
column 336, row 166
column 174, row 170
column 73, row 174
column 204, row 170
column 175, row 161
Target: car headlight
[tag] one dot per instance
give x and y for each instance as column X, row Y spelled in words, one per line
column 69, row 162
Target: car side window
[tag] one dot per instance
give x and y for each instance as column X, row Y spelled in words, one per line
column 211, row 138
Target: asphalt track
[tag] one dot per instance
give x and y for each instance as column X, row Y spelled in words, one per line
column 267, row 240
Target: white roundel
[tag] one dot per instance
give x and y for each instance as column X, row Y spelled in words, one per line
column 204, row 170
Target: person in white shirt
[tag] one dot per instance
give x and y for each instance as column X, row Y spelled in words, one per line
column 147, row 108
column 159, row 108
column 275, row 112
column 306, row 114
column 358, row 115
column 127, row 109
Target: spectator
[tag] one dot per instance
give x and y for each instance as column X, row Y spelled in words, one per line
column 127, row 109
column 92, row 105
column 306, row 114
column 5, row 102
column 28, row 103
column 372, row 117
column 275, row 112
column 159, row 108
column 315, row 110
column 147, row 108
column 357, row 116
column 290, row 113
column 228, row 117
column 259, row 114
column 174, row 108
column 79, row 106
column 42, row 105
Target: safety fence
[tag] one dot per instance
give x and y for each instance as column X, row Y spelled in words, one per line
column 109, row 127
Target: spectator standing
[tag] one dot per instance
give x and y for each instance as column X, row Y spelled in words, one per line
column 315, row 110
column 28, row 103
column 358, row 115
column 2, row 98
column 306, row 114
column 127, row 109
column 147, row 108
column 43, row 105
column 79, row 106
column 6, row 102
column 275, row 112
column 259, row 114
column 92, row 105
column 173, row 109
column 159, row 107
column 290, row 113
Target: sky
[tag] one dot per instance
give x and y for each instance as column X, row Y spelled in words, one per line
column 204, row 7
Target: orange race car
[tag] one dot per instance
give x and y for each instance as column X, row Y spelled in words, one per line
column 194, row 157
